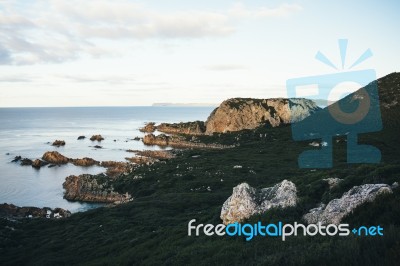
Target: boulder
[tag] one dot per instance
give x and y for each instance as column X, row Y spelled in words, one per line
column 84, row 162
column 81, row 137
column 246, row 201
column 337, row 209
column 38, row 163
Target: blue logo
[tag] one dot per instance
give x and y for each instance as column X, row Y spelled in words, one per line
column 354, row 114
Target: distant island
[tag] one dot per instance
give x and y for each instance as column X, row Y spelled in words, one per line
column 186, row 104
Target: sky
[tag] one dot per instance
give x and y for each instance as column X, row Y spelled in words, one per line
column 135, row 53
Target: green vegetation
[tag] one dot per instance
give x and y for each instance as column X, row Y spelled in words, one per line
column 153, row 228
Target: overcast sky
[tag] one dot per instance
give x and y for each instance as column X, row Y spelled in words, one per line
column 121, row 53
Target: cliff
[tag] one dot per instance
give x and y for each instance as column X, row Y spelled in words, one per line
column 245, row 113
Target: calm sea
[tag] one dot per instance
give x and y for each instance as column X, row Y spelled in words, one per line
column 29, row 132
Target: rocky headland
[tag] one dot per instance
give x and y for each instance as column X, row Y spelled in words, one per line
column 11, row 211
column 92, row 188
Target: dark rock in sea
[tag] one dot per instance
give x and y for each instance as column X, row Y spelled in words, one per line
column 92, row 188
column 81, row 137
column 136, row 138
column 26, row 161
column 96, row 138
column 38, row 163
column 98, row 147
column 51, row 166
column 16, row 159
column 58, row 143
column 7, row 153
column 55, row 157
column 15, row 212
column 148, row 128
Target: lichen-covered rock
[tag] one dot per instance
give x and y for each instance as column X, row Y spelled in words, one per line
column 246, row 113
column 55, row 157
column 92, row 188
column 246, row 201
column 336, row 209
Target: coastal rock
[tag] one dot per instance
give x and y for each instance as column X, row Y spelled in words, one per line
column 336, row 209
column 178, row 142
column 58, row 143
column 116, row 168
column 26, row 161
column 81, row 137
column 96, row 138
column 55, row 157
column 189, row 128
column 148, row 128
column 141, row 160
column 16, row 159
column 92, row 188
column 246, row 113
column 246, row 201
column 15, row 212
column 84, row 162
column 154, row 154
column 38, row 163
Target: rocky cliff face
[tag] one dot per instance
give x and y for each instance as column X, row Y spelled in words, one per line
column 92, row 188
column 336, row 209
column 241, row 113
column 246, row 201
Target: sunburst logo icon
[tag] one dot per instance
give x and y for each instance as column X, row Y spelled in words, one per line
column 352, row 107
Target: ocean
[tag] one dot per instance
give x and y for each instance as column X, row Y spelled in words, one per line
column 29, row 132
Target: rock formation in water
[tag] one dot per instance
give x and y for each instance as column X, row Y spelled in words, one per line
column 81, row 137
column 84, row 162
column 58, row 143
column 11, row 211
column 92, row 188
column 148, row 128
column 96, row 138
column 55, row 157
column 246, row 113
column 337, row 209
column 246, row 201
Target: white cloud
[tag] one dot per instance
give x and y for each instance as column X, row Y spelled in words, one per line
column 52, row 31
column 225, row 67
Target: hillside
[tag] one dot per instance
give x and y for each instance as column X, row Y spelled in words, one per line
column 152, row 229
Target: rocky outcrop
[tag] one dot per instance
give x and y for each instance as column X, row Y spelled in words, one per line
column 337, row 209
column 55, row 157
column 84, row 162
column 148, row 128
column 15, row 212
column 38, row 163
column 116, row 168
column 141, row 160
column 189, row 128
column 58, row 143
column 96, row 138
column 245, row 113
column 92, row 188
column 246, row 201
column 178, row 142
column 81, row 137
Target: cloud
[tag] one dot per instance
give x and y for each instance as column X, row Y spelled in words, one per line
column 225, row 67
column 53, row 31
